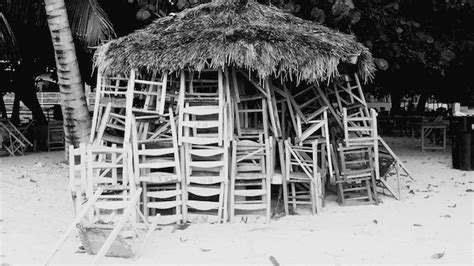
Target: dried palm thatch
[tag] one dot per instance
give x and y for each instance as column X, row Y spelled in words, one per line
column 237, row 33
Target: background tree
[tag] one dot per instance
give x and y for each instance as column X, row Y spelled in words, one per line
column 90, row 26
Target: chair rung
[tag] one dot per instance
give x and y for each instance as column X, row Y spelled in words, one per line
column 163, row 194
column 204, row 191
column 202, row 110
column 251, row 206
column 250, row 192
column 206, row 180
column 203, row 205
column 164, row 204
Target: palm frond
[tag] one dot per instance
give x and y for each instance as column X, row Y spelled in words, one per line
column 8, row 46
column 89, row 22
column 26, row 12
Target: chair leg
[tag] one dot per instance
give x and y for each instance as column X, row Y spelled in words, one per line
column 369, row 191
column 145, row 201
column 268, row 199
column 293, row 195
column 313, row 199
column 220, row 214
column 342, row 200
column 285, row 196
column 375, row 194
column 179, row 198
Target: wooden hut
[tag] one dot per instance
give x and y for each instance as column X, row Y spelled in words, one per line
column 222, row 100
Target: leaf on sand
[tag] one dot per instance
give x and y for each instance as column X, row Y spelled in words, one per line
column 274, row 261
column 437, row 256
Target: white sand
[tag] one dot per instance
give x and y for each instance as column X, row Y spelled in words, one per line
column 36, row 208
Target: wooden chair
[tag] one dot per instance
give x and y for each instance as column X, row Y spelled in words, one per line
column 109, row 167
column 55, row 139
column 362, row 131
column 356, row 179
column 349, row 95
column 110, row 91
column 201, row 109
column 311, row 119
column 302, row 177
column 251, row 173
column 206, row 183
column 251, row 117
column 116, row 236
column 13, row 141
column 158, row 170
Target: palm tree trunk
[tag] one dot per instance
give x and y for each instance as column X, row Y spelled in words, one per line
column 77, row 121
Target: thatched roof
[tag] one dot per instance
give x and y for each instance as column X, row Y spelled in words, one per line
column 238, row 33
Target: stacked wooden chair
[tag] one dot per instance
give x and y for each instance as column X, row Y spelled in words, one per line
column 202, row 111
column 251, row 174
column 120, row 98
column 103, row 178
column 302, row 183
column 356, row 176
column 13, row 141
column 158, row 170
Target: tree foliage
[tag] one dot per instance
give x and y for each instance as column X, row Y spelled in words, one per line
column 420, row 46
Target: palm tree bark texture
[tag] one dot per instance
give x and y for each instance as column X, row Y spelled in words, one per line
column 77, row 121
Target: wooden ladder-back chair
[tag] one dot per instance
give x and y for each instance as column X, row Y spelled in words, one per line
column 158, row 170
column 13, row 141
column 349, row 95
column 201, row 108
column 109, row 167
column 356, row 179
column 311, row 119
column 302, row 177
column 110, row 91
column 206, row 183
column 251, row 174
column 251, row 117
column 116, row 236
column 360, row 130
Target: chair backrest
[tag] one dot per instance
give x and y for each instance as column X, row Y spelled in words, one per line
column 149, row 93
column 360, row 130
column 302, row 159
column 157, row 155
column 252, row 156
column 356, row 161
column 109, row 166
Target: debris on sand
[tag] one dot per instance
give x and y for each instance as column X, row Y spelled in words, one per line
column 274, row 261
column 437, row 256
